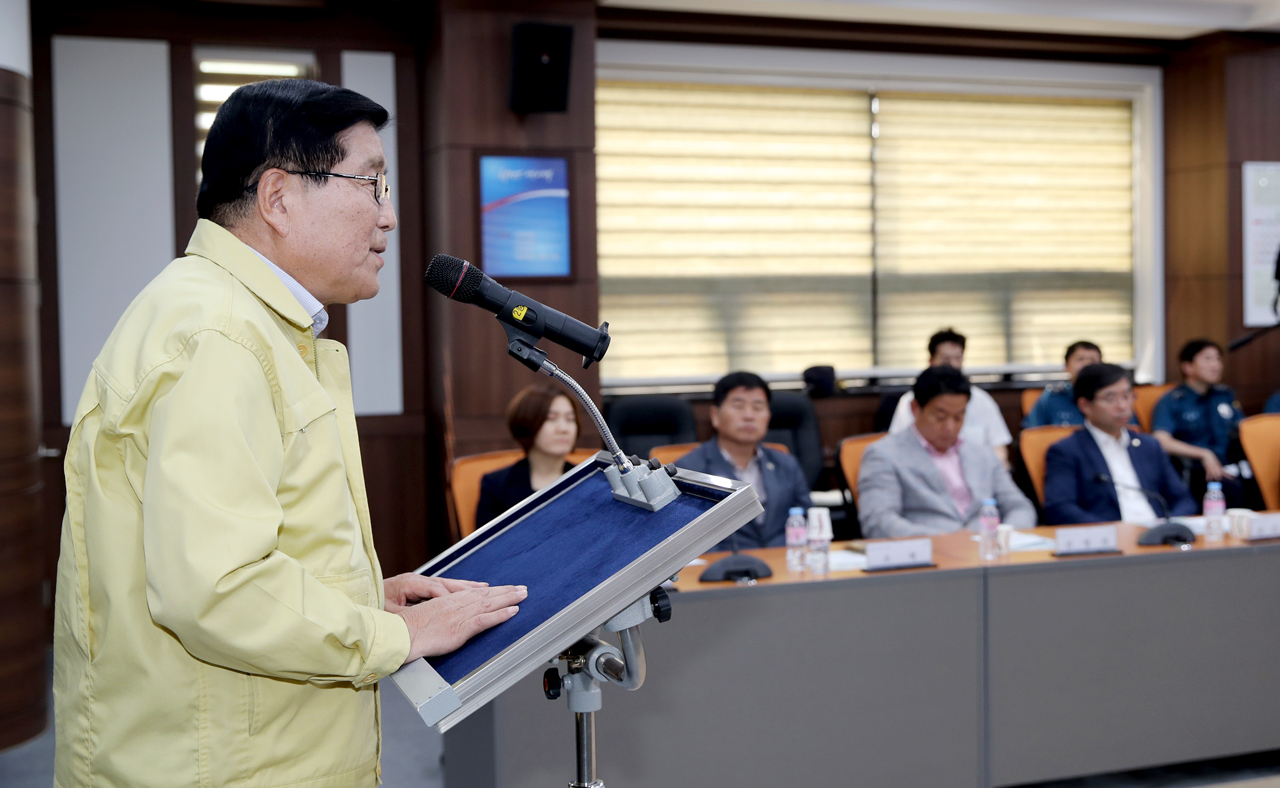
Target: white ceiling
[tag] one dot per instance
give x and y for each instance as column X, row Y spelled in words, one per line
column 1136, row 18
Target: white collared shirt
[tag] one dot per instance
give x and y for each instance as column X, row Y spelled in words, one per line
column 752, row 474
column 1134, row 506
column 983, row 423
column 319, row 317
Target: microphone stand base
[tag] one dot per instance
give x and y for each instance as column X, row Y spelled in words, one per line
column 736, row 567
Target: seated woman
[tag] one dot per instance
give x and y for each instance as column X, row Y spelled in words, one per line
column 544, row 421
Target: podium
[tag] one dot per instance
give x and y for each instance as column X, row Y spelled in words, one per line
column 585, row 557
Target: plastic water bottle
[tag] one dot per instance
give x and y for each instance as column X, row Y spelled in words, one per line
column 819, row 557
column 797, row 539
column 1215, row 512
column 988, row 527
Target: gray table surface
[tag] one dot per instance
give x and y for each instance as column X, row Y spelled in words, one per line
column 1001, row 675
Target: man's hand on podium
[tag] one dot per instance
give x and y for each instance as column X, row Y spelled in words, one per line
column 443, row 614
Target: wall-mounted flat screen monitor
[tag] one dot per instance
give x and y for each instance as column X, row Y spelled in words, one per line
column 524, row 216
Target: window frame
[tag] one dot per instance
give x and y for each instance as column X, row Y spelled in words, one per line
column 727, row 64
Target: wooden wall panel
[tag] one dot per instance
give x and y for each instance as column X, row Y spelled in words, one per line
column 466, row 114
column 23, row 711
column 395, row 460
column 1221, row 110
column 1253, row 118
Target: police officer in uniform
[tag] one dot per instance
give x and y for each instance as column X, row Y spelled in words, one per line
column 1057, row 405
column 1199, row 422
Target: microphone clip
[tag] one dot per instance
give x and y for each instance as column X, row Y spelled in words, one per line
column 523, row 347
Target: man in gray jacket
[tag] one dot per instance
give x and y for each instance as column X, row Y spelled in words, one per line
column 740, row 417
column 926, row 480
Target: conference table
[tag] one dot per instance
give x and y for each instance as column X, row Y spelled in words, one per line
column 1026, row 669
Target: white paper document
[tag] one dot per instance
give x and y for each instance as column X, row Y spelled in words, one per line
column 847, row 561
column 1023, row 542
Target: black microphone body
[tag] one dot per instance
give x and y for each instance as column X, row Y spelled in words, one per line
column 459, row 280
column 1106, row 478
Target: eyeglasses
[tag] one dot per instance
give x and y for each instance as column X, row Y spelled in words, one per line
column 381, row 189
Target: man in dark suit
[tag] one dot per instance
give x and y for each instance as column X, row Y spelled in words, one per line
column 1093, row 476
column 740, row 417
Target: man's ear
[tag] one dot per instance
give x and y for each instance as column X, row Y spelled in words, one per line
column 275, row 190
column 715, row 418
column 915, row 407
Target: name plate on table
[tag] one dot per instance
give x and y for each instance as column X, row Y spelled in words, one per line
column 1087, row 539
column 899, row 554
column 1264, row 526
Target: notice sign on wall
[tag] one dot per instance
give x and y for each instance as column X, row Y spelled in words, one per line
column 1261, row 184
column 524, row 216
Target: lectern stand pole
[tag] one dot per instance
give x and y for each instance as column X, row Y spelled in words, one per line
column 586, row 724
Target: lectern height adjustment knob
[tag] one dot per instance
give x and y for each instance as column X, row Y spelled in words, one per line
column 551, row 683
column 661, row 604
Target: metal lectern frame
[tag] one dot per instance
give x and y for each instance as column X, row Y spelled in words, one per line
column 444, row 704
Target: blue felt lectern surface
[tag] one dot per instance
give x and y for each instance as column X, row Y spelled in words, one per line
column 562, row 551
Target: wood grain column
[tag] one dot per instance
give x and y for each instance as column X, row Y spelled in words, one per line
column 470, row 377
column 23, row 710
column 1221, row 110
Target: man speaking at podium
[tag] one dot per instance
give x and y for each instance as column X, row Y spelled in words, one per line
column 221, row 617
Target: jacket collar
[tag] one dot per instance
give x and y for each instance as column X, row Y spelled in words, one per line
column 214, row 242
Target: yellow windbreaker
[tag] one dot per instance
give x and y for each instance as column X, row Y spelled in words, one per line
column 219, row 612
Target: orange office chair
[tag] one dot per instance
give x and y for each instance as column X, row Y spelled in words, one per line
column 1145, row 398
column 849, row 456
column 1260, row 437
column 466, row 473
column 671, row 452
column 674, row 451
column 1029, row 399
column 1034, row 444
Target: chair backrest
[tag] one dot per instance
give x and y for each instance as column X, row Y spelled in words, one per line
column 1034, row 444
column 849, row 456
column 885, row 410
column 1145, row 398
column 466, row 473
column 1029, row 399
column 795, row 425
column 1260, row 438
column 641, row 422
column 672, row 452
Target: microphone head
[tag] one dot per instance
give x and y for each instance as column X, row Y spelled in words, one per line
column 454, row 278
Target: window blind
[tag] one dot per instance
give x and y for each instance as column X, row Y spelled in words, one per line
column 1010, row 219
column 736, row 219
column 775, row 228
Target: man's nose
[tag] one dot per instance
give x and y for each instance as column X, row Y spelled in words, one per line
column 387, row 216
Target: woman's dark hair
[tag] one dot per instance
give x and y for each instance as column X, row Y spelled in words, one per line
column 527, row 412
column 293, row 124
column 1096, row 377
column 735, row 380
column 939, row 380
column 944, row 336
column 1193, row 349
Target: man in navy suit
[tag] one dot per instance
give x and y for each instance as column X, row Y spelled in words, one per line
column 741, row 416
column 1094, row 475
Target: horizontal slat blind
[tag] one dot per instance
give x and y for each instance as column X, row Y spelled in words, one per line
column 1010, row 219
column 736, row 220
column 752, row 224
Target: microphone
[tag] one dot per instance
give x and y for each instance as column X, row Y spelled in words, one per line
column 1106, row 478
column 459, row 280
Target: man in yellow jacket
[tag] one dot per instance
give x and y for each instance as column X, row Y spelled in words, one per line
column 221, row 618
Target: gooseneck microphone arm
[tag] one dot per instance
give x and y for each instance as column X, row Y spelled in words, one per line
column 525, row 322
column 1107, row 479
